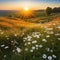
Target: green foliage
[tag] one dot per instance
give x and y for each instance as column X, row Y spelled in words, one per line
column 56, row 10
column 48, row 10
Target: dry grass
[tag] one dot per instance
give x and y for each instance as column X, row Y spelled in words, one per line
column 16, row 23
column 10, row 23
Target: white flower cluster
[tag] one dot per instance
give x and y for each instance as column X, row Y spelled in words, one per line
column 49, row 50
column 5, row 47
column 44, row 56
column 36, row 34
column 30, row 40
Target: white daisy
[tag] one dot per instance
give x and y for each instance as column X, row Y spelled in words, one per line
column 47, row 36
column 49, row 28
column 48, row 49
column 54, row 56
column 25, row 38
column 44, row 40
column 29, row 43
column 34, row 41
column 2, row 45
column 37, row 45
column 40, row 46
column 58, row 38
column 6, row 47
column 29, row 37
column 51, row 50
column 18, row 49
column 44, row 56
column 51, row 32
column 33, row 48
column 49, row 57
column 4, row 56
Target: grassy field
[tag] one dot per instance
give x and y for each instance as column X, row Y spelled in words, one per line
column 35, row 38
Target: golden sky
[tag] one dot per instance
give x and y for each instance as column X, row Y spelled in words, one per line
column 34, row 5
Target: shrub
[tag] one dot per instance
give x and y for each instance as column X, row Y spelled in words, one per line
column 48, row 10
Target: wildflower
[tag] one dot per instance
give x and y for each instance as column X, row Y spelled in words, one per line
column 25, row 38
column 4, row 56
column 2, row 45
column 58, row 38
column 33, row 47
column 6, row 47
column 48, row 36
column 37, row 36
column 13, row 50
column 29, row 38
column 44, row 40
column 50, row 57
column 18, row 49
column 51, row 32
column 51, row 50
column 44, row 56
column 40, row 46
column 34, row 41
column 53, row 56
column 31, row 50
column 48, row 49
column 26, row 49
column 37, row 45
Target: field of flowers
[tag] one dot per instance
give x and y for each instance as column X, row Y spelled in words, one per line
column 38, row 43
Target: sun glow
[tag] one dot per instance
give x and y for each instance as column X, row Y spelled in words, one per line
column 26, row 12
column 26, row 8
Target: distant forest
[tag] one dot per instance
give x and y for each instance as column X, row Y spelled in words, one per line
column 49, row 10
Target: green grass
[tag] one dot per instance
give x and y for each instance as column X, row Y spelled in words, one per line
column 37, row 43
column 29, row 50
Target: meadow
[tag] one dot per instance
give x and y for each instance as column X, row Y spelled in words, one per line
column 33, row 38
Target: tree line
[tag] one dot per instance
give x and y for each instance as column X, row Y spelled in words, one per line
column 49, row 10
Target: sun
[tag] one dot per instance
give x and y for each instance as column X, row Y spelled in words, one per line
column 26, row 9
column 26, row 12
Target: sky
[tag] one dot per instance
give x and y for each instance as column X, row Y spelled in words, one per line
column 32, row 4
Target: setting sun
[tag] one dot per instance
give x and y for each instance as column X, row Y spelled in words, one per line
column 26, row 8
column 26, row 12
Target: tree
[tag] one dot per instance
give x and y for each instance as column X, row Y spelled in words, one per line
column 48, row 10
column 56, row 10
